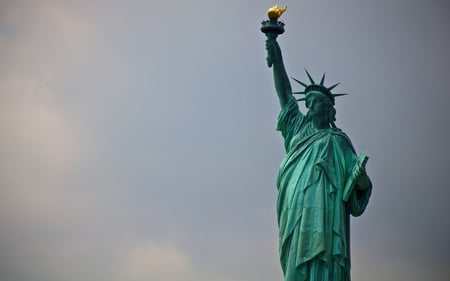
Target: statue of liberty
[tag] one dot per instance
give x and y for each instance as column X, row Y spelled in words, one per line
column 321, row 181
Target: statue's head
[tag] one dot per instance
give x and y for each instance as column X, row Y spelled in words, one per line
column 319, row 99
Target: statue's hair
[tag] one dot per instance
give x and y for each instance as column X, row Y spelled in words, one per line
column 331, row 112
column 331, row 115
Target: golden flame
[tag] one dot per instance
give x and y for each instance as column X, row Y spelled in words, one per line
column 275, row 12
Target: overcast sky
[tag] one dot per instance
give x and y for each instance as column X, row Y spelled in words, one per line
column 138, row 138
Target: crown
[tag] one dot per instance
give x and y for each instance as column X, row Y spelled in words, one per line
column 313, row 87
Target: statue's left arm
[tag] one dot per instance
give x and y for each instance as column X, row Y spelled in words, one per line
column 359, row 196
column 357, row 187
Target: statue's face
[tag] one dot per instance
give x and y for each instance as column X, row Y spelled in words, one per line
column 317, row 105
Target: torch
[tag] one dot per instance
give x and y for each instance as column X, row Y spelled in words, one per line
column 272, row 26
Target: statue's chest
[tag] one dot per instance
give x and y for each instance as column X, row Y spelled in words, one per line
column 317, row 140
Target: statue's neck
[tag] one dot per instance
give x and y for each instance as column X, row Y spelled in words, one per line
column 320, row 123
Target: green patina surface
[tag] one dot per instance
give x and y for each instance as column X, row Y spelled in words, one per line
column 321, row 181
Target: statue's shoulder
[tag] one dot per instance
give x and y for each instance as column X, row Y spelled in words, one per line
column 341, row 136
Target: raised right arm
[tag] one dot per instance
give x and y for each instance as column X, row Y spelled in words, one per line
column 275, row 60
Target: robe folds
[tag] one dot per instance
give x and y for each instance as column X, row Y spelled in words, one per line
column 316, row 195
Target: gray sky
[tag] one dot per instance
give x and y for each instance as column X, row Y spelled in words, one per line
column 138, row 140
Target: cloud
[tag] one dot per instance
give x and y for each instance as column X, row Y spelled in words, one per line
column 144, row 259
column 153, row 260
column 41, row 142
column 366, row 267
column 138, row 143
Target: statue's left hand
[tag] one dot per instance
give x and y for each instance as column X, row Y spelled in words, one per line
column 362, row 180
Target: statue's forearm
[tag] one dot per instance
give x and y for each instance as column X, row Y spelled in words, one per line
column 282, row 85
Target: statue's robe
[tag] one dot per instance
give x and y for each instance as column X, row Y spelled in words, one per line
column 313, row 209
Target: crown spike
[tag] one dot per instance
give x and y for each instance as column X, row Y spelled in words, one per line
column 338, row 95
column 322, row 80
column 332, row 87
column 299, row 93
column 300, row 82
column 309, row 76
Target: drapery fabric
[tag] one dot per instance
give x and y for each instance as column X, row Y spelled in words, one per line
column 313, row 217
